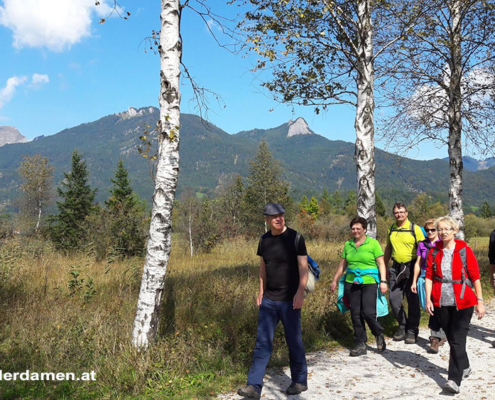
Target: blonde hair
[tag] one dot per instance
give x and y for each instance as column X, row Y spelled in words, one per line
column 429, row 222
column 449, row 221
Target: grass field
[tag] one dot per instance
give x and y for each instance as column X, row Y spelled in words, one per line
column 73, row 314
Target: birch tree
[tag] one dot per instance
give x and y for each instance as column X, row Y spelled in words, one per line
column 444, row 85
column 167, row 171
column 323, row 53
column 37, row 188
column 169, row 47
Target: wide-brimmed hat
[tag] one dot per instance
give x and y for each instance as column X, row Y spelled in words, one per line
column 274, row 209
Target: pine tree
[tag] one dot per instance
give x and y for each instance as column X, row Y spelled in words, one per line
column 350, row 205
column 380, row 207
column 127, row 215
column 265, row 185
column 485, row 211
column 122, row 193
column 77, row 204
column 313, row 207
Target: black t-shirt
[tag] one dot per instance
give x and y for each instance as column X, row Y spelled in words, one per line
column 282, row 271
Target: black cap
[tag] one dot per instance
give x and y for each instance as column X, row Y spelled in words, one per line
column 274, row 209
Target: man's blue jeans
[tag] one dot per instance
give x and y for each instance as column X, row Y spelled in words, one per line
column 271, row 312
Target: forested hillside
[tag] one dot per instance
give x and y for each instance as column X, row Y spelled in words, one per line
column 210, row 157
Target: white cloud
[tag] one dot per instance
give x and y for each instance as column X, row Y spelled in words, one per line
column 37, row 80
column 8, row 91
column 213, row 25
column 54, row 24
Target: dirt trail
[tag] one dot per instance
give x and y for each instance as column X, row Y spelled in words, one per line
column 402, row 371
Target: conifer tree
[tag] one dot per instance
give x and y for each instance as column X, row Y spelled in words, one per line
column 122, row 193
column 265, row 185
column 127, row 215
column 380, row 207
column 485, row 211
column 77, row 204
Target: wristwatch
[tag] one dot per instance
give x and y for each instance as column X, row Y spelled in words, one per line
column 480, row 298
column 384, row 282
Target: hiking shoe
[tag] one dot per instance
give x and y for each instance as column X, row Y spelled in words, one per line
column 451, row 387
column 434, row 343
column 466, row 372
column 400, row 334
column 249, row 391
column 296, row 388
column 380, row 343
column 358, row 350
column 411, row 338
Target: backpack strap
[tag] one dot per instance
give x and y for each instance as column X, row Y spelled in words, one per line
column 296, row 241
column 427, row 244
column 465, row 277
column 411, row 230
column 434, row 253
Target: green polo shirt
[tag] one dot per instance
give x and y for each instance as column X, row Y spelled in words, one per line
column 363, row 257
column 404, row 247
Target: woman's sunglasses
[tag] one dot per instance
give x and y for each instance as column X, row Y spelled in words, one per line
column 431, row 230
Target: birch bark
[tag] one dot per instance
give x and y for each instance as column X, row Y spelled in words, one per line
column 364, row 122
column 455, row 121
column 159, row 243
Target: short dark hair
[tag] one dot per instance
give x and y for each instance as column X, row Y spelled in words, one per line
column 399, row 205
column 359, row 220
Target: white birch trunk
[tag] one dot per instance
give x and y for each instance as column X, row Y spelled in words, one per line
column 39, row 216
column 189, row 227
column 364, row 122
column 455, row 122
column 159, row 243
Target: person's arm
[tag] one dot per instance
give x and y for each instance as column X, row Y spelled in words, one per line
column 429, row 304
column 338, row 274
column 480, row 306
column 417, row 270
column 262, row 275
column 383, row 274
column 302, row 263
column 429, row 282
column 388, row 254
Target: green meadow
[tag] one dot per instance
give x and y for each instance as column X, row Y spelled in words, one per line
column 73, row 314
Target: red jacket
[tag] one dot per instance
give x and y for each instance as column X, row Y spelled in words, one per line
column 473, row 272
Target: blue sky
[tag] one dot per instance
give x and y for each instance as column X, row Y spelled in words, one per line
column 60, row 68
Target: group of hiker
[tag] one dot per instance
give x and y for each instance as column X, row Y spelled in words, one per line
column 438, row 273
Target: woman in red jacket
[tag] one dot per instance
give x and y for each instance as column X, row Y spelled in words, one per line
column 450, row 295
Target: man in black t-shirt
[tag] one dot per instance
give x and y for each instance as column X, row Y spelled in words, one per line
column 283, row 275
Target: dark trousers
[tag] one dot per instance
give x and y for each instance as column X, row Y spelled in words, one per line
column 455, row 323
column 362, row 299
column 396, row 295
column 271, row 312
column 435, row 327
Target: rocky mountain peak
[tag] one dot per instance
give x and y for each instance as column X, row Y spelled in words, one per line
column 133, row 112
column 9, row 135
column 299, row 127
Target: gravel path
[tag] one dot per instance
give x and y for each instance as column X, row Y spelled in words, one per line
column 402, row 371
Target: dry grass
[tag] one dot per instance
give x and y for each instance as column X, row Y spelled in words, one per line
column 73, row 314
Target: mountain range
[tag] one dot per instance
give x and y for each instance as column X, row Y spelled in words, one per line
column 210, row 157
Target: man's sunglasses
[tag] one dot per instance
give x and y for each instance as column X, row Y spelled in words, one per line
column 431, row 230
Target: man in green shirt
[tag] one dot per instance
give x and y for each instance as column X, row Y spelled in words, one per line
column 402, row 244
